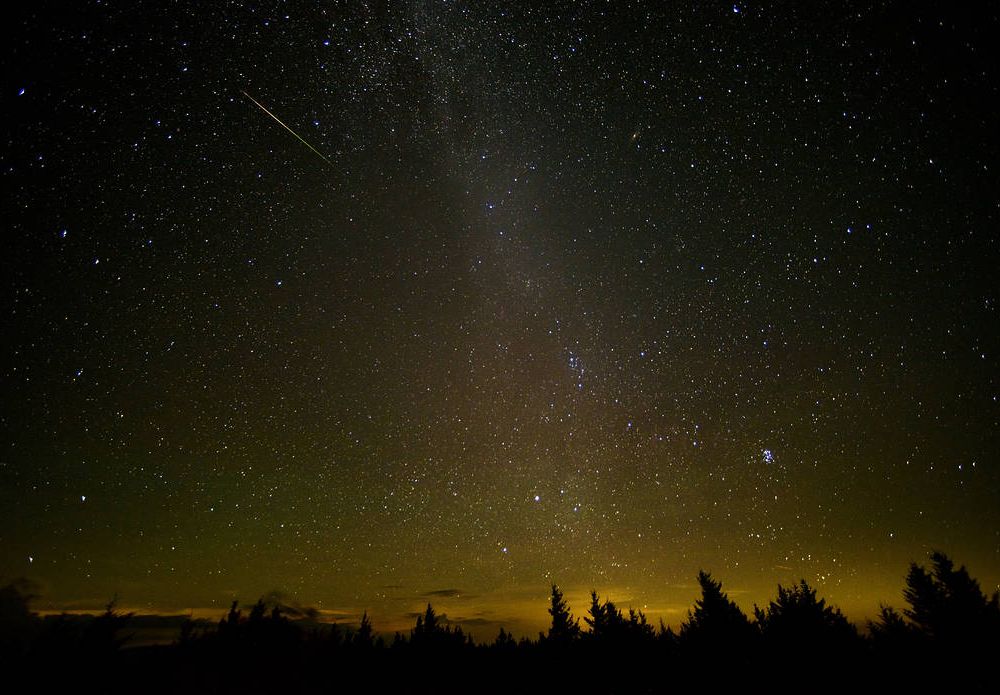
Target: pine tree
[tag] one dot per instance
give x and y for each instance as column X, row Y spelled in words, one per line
column 428, row 630
column 638, row 628
column 565, row 628
column 948, row 605
column 891, row 633
column 606, row 621
column 504, row 641
column 716, row 620
column 364, row 637
column 798, row 620
column 101, row 636
column 430, row 620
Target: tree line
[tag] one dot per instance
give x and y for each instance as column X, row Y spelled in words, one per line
column 947, row 635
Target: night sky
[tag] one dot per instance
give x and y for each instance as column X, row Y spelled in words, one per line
column 597, row 293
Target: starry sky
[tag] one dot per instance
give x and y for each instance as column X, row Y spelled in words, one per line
column 596, row 293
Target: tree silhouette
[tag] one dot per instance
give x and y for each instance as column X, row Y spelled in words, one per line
column 889, row 626
column 637, row 627
column 605, row 620
column 257, row 612
column 894, row 640
column 430, row 633
column 798, row 620
column 505, row 641
column 229, row 625
column 365, row 636
column 665, row 635
column 609, row 626
column 950, row 634
column 945, row 639
column 101, row 636
column 716, row 622
column 427, row 628
column 18, row 624
column 947, row 605
column 564, row 628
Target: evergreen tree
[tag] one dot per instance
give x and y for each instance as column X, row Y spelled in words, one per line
column 715, row 621
column 565, row 628
column 257, row 612
column 428, row 630
column 229, row 624
column 798, row 620
column 334, row 637
column 504, row 641
column 890, row 624
column 18, row 624
column 430, row 620
column 948, row 605
column 638, row 628
column 606, row 621
column 365, row 635
column 101, row 637
column 892, row 636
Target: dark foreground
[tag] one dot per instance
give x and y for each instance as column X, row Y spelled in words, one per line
column 947, row 639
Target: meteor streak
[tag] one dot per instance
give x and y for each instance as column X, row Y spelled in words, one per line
column 282, row 124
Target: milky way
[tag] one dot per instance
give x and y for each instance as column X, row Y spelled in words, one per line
column 599, row 294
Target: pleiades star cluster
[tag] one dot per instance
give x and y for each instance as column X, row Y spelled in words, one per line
column 374, row 304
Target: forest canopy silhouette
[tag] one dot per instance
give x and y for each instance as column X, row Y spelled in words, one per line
column 948, row 631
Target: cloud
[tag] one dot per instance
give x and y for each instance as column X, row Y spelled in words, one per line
column 447, row 593
column 474, row 622
column 289, row 606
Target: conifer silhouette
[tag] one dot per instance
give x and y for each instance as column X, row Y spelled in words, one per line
column 798, row 620
column 564, row 628
column 504, row 641
column 604, row 619
column 365, row 636
column 946, row 604
column 947, row 637
column 716, row 621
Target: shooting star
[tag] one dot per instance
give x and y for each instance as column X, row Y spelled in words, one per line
column 282, row 124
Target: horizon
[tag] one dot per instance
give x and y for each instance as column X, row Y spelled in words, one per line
column 476, row 616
